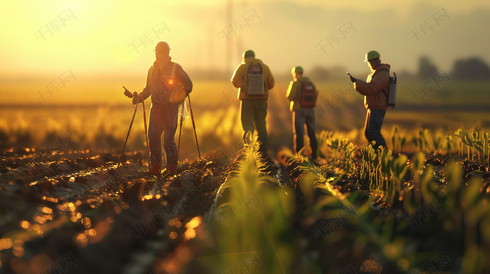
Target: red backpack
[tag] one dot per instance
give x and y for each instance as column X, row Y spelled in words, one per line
column 308, row 95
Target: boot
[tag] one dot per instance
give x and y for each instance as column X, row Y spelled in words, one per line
column 155, row 169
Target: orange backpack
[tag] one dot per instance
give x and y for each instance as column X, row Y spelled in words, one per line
column 178, row 93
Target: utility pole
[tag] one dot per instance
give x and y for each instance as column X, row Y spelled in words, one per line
column 210, row 60
column 229, row 39
column 239, row 41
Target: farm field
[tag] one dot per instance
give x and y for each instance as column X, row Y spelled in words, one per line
column 27, row 121
column 419, row 207
column 76, row 194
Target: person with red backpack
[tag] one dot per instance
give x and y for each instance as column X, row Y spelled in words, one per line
column 375, row 91
column 254, row 80
column 303, row 95
column 162, row 77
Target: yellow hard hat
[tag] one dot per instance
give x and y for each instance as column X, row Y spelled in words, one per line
column 162, row 46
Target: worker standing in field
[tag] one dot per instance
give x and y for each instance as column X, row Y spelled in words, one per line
column 375, row 91
column 254, row 80
column 303, row 95
column 163, row 114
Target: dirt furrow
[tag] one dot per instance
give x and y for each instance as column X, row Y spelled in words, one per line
column 118, row 214
column 33, row 171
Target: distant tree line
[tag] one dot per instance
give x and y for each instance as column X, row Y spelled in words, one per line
column 473, row 68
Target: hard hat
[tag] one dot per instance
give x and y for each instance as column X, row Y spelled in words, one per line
column 298, row 69
column 371, row 55
column 162, row 46
column 249, row 53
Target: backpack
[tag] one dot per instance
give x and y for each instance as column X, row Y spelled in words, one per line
column 166, row 89
column 308, row 95
column 255, row 81
column 178, row 92
column 391, row 94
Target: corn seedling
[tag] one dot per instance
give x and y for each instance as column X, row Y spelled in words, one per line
column 397, row 140
column 475, row 143
column 252, row 214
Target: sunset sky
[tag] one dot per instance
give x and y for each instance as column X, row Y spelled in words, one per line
column 117, row 37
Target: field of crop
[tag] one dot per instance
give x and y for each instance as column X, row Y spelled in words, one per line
column 420, row 206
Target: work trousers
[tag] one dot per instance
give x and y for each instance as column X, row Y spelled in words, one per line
column 163, row 119
column 253, row 115
column 302, row 117
column 372, row 127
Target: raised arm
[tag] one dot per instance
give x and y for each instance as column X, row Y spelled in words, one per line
column 379, row 82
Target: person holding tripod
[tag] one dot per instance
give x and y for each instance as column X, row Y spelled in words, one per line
column 163, row 113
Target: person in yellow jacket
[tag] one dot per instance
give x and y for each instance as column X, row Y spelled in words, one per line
column 163, row 114
column 375, row 91
column 302, row 115
column 254, row 80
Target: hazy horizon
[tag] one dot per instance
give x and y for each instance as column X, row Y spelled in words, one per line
column 118, row 38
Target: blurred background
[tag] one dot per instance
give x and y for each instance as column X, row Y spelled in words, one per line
column 65, row 63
